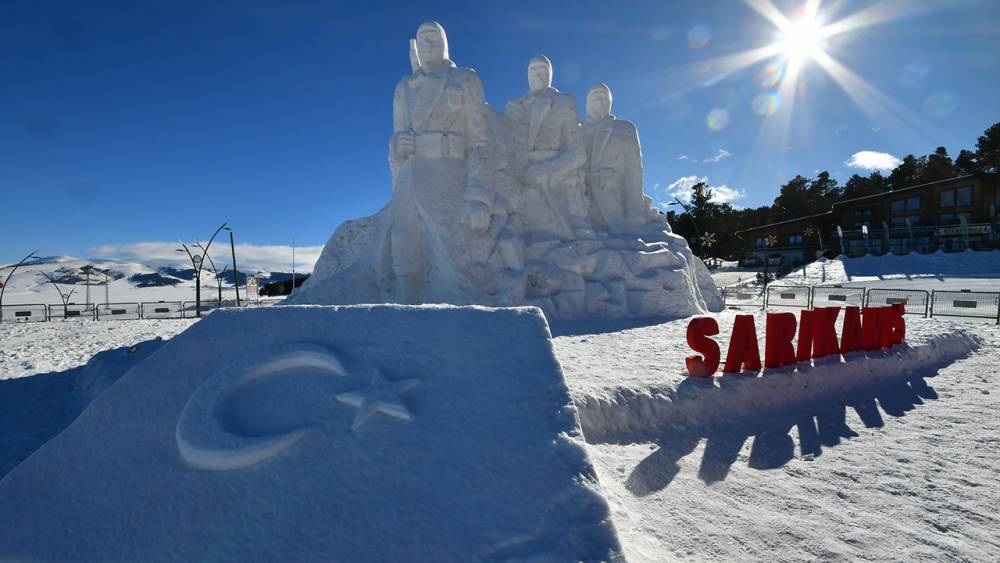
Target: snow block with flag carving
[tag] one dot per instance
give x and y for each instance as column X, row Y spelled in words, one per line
column 357, row 433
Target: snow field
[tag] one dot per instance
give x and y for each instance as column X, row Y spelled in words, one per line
column 889, row 458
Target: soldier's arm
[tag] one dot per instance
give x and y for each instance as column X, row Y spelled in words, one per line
column 573, row 153
column 476, row 139
column 636, row 207
column 399, row 125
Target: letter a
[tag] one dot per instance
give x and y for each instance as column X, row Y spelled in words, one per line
column 850, row 339
column 743, row 351
column 698, row 332
column 778, row 348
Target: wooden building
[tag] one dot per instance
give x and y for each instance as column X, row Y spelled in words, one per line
column 953, row 214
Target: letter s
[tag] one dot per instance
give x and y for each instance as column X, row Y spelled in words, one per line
column 698, row 332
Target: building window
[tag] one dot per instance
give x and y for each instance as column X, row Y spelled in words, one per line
column 760, row 242
column 913, row 203
column 862, row 212
column 795, row 240
column 901, row 221
column 898, row 205
column 952, row 218
column 961, row 197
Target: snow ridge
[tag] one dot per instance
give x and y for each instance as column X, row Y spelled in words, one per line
column 627, row 415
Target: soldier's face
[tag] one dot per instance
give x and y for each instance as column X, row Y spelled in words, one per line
column 598, row 104
column 539, row 76
column 430, row 46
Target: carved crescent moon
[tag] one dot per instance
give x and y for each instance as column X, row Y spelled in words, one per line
column 203, row 440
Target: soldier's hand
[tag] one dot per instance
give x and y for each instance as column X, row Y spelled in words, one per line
column 404, row 144
column 477, row 216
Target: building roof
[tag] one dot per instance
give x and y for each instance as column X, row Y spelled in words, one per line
column 904, row 190
column 785, row 222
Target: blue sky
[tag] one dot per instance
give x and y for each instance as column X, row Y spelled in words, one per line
column 141, row 122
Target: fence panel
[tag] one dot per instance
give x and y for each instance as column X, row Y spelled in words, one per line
column 191, row 308
column 835, row 296
column 975, row 304
column 119, row 311
column 788, row 296
column 915, row 301
column 742, row 297
column 163, row 310
column 26, row 313
column 72, row 312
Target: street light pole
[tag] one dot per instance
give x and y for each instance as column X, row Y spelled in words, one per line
column 6, row 282
column 198, row 262
column 236, row 272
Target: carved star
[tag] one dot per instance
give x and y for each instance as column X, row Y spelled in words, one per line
column 380, row 397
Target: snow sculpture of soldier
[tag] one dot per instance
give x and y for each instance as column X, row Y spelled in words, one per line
column 614, row 167
column 549, row 156
column 440, row 233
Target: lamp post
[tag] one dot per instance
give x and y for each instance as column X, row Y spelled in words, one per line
column 707, row 241
column 198, row 261
column 236, row 272
column 218, row 280
column 6, row 281
column 769, row 242
column 64, row 297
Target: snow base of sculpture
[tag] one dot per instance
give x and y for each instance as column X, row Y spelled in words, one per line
column 383, row 433
column 596, row 276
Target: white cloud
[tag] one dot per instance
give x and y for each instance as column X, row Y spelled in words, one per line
column 872, row 160
column 264, row 257
column 681, row 189
column 683, row 157
column 723, row 153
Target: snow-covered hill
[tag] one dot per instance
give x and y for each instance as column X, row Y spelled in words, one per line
column 117, row 281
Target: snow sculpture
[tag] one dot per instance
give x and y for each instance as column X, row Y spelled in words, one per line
column 525, row 207
column 614, row 166
column 548, row 157
column 364, row 433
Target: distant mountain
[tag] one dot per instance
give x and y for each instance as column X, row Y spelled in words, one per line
column 48, row 279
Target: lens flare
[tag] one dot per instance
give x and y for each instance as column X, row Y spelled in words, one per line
column 940, row 104
column 770, row 75
column 766, row 104
column 698, row 36
column 717, row 119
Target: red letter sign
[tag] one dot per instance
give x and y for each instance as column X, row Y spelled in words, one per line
column 778, row 349
column 743, row 349
column 698, row 332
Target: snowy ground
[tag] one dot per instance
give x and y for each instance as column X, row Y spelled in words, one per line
column 900, row 464
column 33, row 348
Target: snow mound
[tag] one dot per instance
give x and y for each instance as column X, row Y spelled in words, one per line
column 34, row 409
column 627, row 415
column 899, row 268
column 378, row 433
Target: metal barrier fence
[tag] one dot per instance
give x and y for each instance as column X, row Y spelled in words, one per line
column 788, row 296
column 836, row 296
column 27, row 313
column 191, row 308
column 163, row 310
column 119, row 311
column 977, row 304
column 741, row 297
column 72, row 312
column 915, row 301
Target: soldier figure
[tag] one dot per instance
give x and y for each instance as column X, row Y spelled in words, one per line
column 440, row 210
column 614, row 166
column 548, row 156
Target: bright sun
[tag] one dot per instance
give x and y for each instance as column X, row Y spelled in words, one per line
column 801, row 39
